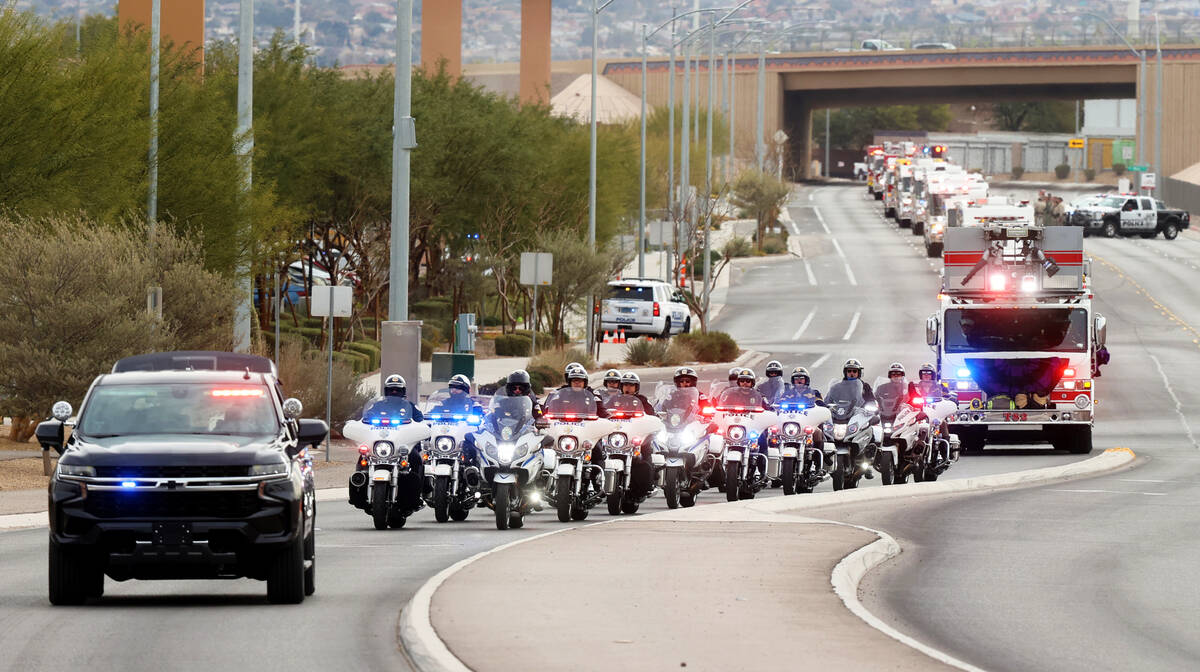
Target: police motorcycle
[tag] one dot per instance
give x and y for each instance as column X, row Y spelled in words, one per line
column 631, row 439
column 801, row 465
column 688, row 443
column 857, row 433
column 741, row 419
column 509, row 448
column 388, row 482
column 935, row 408
column 453, row 483
column 772, row 388
column 573, row 431
column 904, row 429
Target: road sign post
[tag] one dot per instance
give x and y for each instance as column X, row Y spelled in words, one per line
column 330, row 301
column 537, row 268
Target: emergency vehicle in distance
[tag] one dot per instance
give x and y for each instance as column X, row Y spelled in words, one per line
column 1016, row 336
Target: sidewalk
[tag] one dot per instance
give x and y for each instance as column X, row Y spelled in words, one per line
column 656, row 606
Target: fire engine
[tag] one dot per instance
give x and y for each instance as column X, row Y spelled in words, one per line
column 1016, row 336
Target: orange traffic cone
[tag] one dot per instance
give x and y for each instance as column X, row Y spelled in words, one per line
column 621, row 335
column 606, row 338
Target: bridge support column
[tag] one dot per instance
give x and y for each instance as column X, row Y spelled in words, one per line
column 535, row 51
column 802, row 141
column 441, row 35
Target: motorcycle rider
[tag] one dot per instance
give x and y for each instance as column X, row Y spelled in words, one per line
column 930, row 386
column 576, row 377
column 611, row 382
column 802, row 381
column 771, row 388
column 894, row 392
column 642, row 469
column 460, row 401
column 631, row 384
column 852, row 370
column 518, row 385
column 394, row 401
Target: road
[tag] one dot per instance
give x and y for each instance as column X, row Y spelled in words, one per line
column 863, row 289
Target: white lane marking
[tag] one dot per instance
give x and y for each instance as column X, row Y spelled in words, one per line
column 1178, row 404
column 820, row 361
column 812, row 279
column 810, row 196
column 845, row 262
column 822, row 221
column 804, row 324
column 1143, row 480
column 853, row 325
column 1112, row 492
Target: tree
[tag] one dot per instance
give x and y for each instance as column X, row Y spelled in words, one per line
column 578, row 273
column 760, row 196
column 1055, row 116
column 855, row 127
column 75, row 302
column 1010, row 116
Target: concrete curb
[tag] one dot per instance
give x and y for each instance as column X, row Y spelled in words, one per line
column 429, row 653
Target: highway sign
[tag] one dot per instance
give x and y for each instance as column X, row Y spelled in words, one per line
column 331, row 301
column 1075, row 143
column 537, row 268
column 1138, row 168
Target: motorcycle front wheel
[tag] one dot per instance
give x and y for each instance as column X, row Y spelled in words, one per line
column 671, row 487
column 441, row 499
column 839, row 473
column 563, row 493
column 732, row 486
column 614, row 502
column 887, row 468
column 379, row 505
column 789, row 475
column 502, row 506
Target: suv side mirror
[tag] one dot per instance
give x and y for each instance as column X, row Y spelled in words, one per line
column 1101, row 331
column 50, row 435
column 931, row 331
column 310, row 432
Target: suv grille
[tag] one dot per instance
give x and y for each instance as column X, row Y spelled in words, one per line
column 172, row 504
column 183, row 471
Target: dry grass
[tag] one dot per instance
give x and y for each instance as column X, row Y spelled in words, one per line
column 23, row 474
column 6, row 444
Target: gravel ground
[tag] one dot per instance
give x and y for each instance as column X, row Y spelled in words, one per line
column 22, row 474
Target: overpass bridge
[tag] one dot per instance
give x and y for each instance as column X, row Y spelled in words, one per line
column 797, row 84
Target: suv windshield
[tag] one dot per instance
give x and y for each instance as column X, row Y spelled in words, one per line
column 631, row 292
column 1016, row 330
column 179, row 408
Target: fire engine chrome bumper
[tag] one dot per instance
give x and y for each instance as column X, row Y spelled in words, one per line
column 1020, row 417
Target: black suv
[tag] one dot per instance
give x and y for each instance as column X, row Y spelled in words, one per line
column 183, row 465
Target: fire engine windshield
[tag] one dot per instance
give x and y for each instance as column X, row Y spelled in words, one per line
column 1016, row 330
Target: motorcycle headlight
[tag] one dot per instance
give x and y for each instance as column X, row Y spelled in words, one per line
column 839, row 432
column 491, row 451
column 736, row 433
column 688, row 436
column 506, row 434
column 76, row 470
column 279, row 468
column 444, row 444
column 383, row 449
column 568, row 444
column 506, row 451
column 617, row 440
column 791, row 429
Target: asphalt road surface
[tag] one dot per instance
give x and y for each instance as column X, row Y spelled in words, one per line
column 863, row 289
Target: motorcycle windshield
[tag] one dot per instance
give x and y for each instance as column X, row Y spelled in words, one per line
column 570, row 405
column 716, row 387
column 890, row 394
column 388, row 412
column 771, row 388
column 844, row 396
column 444, row 405
column 680, row 407
column 930, row 391
column 624, row 406
column 740, row 399
column 507, row 415
column 795, row 398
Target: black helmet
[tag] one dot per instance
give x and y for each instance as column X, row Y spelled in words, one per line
column 612, row 376
column 394, row 386
column 733, row 374
column 896, row 367
column 686, row 372
column 927, row 368
column 517, row 384
column 801, row 372
column 460, row 382
column 575, row 371
column 774, row 368
column 852, row 365
column 746, row 374
column 631, row 378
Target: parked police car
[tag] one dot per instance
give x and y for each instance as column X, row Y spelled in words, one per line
column 1127, row 215
column 183, row 465
column 645, row 307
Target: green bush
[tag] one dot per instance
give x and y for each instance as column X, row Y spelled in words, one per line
column 545, row 341
column 643, row 351
column 715, row 346
column 512, row 345
column 737, row 247
column 1089, row 174
column 542, row 377
column 492, row 321
column 774, row 245
column 1017, row 172
column 358, row 362
column 1062, row 171
column 372, row 352
column 427, row 349
column 1118, row 169
column 313, row 334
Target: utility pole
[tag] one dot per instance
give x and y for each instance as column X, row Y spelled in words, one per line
column 641, row 242
column 155, row 37
column 296, row 21
column 245, row 151
column 671, row 150
column 1158, row 106
column 708, row 156
column 404, row 140
column 760, row 123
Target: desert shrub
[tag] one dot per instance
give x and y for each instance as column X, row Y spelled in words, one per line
column 1089, row 174
column 303, row 374
column 644, row 351
column 715, row 346
column 1017, row 172
column 1118, row 169
column 677, row 353
column 542, row 377
column 557, row 359
column 1062, row 171
column 427, row 349
column 774, row 245
column 737, row 247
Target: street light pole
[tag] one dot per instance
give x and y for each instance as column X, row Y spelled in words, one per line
column 1158, row 105
column 671, row 145
column 642, row 171
column 760, row 123
column 296, row 21
column 152, row 199
column 708, row 155
column 404, row 140
column 245, row 148
column 591, row 316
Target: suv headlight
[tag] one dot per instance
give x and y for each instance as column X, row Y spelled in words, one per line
column 76, row 470
column 280, row 468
